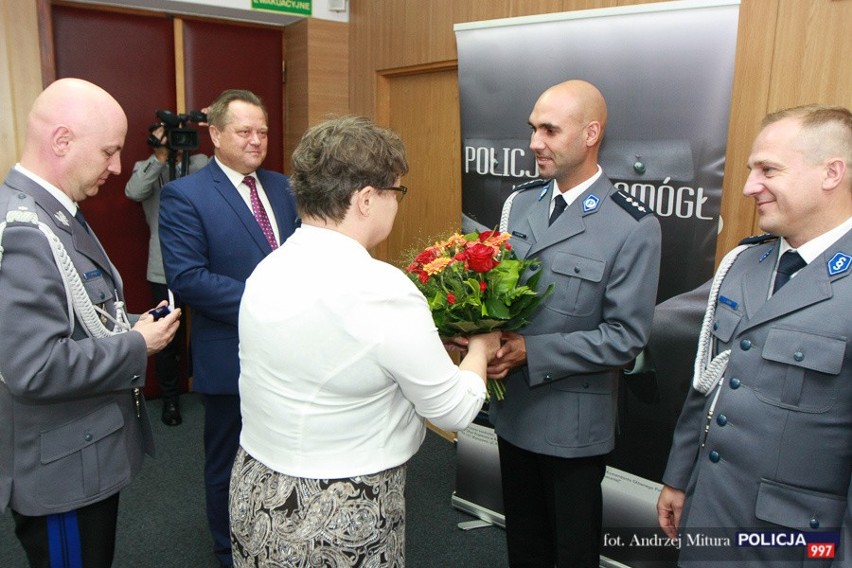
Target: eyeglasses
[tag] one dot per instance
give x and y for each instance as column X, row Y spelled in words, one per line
column 400, row 189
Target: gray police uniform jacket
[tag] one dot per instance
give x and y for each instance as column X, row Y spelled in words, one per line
column 144, row 185
column 603, row 256
column 778, row 452
column 70, row 436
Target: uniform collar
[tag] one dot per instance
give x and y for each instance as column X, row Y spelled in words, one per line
column 816, row 246
column 571, row 195
column 57, row 193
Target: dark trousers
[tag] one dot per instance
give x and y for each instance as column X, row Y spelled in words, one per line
column 553, row 508
column 167, row 361
column 222, row 423
column 82, row 538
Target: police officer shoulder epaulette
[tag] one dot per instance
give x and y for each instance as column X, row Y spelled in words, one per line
column 757, row 239
column 530, row 184
column 517, row 190
column 22, row 209
column 636, row 208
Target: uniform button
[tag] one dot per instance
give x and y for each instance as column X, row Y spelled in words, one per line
column 745, row 344
column 88, row 437
column 576, row 270
column 714, row 456
column 799, row 356
column 534, row 267
column 735, row 383
column 102, row 296
column 814, row 523
column 715, row 325
column 548, row 378
column 721, row 420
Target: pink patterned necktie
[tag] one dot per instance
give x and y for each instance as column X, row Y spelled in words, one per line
column 260, row 212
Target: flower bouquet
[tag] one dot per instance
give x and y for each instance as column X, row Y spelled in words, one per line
column 474, row 284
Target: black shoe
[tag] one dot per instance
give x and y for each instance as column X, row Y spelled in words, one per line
column 171, row 413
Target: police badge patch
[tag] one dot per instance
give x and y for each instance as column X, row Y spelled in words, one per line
column 839, row 264
column 591, row 203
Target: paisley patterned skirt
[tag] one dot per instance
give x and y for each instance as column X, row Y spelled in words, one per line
column 280, row 521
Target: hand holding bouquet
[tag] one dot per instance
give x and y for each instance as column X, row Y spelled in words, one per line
column 474, row 284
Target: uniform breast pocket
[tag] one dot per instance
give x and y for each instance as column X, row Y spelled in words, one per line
column 725, row 322
column 99, row 289
column 798, row 508
column 84, row 457
column 520, row 246
column 800, row 370
column 580, row 411
column 577, row 281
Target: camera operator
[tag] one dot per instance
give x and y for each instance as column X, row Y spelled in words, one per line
column 144, row 185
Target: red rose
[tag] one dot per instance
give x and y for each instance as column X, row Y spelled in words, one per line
column 423, row 277
column 426, row 256
column 451, row 298
column 485, row 235
column 480, row 258
column 482, row 286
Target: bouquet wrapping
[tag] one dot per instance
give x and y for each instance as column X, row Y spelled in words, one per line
column 474, row 283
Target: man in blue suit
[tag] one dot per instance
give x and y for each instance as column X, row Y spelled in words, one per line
column 216, row 225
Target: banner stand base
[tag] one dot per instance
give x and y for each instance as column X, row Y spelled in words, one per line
column 474, row 524
column 486, row 518
column 478, row 511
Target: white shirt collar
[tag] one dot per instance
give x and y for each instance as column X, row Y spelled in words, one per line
column 60, row 195
column 816, row 246
column 573, row 193
column 235, row 176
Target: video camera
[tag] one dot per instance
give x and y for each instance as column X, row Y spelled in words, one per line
column 179, row 137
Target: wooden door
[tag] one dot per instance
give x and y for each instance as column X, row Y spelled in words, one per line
column 422, row 106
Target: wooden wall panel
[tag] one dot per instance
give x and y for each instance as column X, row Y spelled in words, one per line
column 813, row 54
column 296, row 103
column 20, row 75
column 752, row 78
column 317, row 77
column 328, row 82
column 223, row 56
column 430, row 210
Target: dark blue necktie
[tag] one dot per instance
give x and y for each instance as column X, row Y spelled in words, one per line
column 559, row 205
column 790, row 263
column 80, row 219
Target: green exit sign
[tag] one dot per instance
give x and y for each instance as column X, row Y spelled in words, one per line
column 300, row 7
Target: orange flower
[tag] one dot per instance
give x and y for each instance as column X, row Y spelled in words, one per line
column 437, row 266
